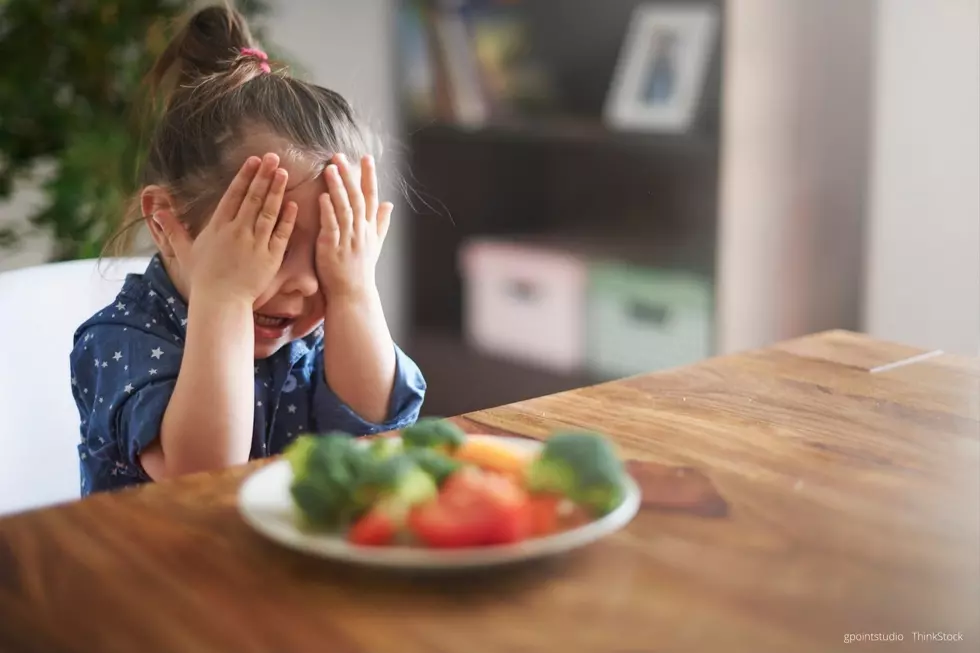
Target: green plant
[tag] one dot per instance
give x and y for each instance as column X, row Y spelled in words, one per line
column 71, row 101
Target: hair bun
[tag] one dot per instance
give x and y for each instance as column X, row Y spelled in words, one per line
column 210, row 42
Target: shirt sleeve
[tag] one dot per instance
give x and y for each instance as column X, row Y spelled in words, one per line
column 122, row 380
column 331, row 413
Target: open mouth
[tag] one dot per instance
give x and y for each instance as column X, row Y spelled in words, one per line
column 272, row 321
column 272, row 326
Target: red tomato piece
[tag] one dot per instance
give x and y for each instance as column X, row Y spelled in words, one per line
column 440, row 525
column 373, row 529
column 474, row 508
column 544, row 514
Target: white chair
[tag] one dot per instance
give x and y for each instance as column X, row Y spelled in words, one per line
column 40, row 308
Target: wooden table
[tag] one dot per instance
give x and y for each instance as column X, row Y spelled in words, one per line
column 794, row 496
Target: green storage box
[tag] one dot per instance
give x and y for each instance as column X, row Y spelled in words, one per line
column 644, row 320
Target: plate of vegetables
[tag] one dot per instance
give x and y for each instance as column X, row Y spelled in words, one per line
column 434, row 497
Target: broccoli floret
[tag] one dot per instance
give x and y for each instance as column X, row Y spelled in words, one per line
column 336, row 479
column 298, row 452
column 433, row 433
column 383, row 448
column 438, row 465
column 320, row 507
column 325, row 473
column 581, row 466
column 399, row 482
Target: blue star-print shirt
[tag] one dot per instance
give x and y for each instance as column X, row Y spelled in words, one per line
column 124, row 366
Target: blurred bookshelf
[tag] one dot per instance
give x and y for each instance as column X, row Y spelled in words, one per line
column 536, row 161
column 568, row 131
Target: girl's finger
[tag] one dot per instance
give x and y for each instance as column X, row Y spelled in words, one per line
column 351, row 186
column 341, row 204
column 180, row 241
column 235, row 194
column 254, row 200
column 329, row 228
column 384, row 220
column 265, row 223
column 369, row 187
column 284, row 229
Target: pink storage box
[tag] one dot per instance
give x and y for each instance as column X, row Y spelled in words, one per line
column 525, row 303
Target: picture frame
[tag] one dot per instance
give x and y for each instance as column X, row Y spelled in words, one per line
column 660, row 74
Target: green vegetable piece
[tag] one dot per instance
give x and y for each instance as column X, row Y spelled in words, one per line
column 398, row 481
column 383, row 448
column 431, row 433
column 435, row 463
column 321, row 507
column 299, row 451
column 338, row 457
column 326, row 470
column 582, row 466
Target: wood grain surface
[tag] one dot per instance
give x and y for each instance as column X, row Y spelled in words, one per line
column 794, row 496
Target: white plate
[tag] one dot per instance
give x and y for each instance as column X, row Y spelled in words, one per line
column 266, row 505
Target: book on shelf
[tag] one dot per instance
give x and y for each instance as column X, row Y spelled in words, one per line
column 468, row 62
column 459, row 65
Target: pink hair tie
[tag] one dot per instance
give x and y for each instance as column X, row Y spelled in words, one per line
column 260, row 55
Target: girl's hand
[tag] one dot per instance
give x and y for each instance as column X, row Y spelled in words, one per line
column 239, row 251
column 352, row 230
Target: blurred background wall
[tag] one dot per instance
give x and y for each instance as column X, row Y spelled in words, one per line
column 799, row 85
column 922, row 262
column 830, row 181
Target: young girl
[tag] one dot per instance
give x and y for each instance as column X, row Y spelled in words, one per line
column 259, row 318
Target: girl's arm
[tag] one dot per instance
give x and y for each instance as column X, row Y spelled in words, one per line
column 208, row 422
column 359, row 355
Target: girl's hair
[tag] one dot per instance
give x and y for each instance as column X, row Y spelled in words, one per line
column 214, row 87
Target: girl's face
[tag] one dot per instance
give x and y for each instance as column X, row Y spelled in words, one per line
column 293, row 306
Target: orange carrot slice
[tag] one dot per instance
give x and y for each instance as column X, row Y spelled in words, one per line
column 492, row 456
